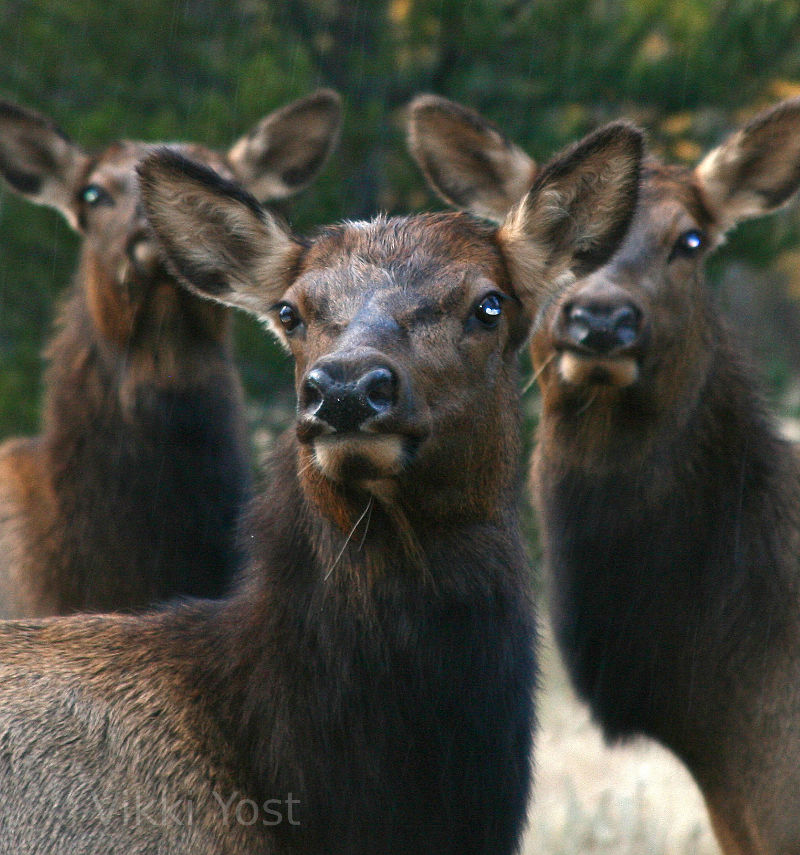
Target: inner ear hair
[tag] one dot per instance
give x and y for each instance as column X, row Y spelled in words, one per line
column 757, row 169
column 466, row 159
column 216, row 236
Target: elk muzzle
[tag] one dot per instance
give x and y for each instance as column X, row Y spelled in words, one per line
column 355, row 412
column 346, row 404
column 599, row 333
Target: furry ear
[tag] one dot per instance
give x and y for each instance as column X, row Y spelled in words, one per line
column 755, row 170
column 576, row 213
column 469, row 162
column 217, row 237
column 39, row 161
column 286, row 150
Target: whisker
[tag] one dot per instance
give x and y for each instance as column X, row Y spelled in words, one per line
column 366, row 524
column 348, row 539
column 588, row 404
column 535, row 375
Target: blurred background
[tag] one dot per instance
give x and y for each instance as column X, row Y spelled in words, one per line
column 547, row 72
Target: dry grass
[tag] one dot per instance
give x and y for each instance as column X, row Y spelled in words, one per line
column 627, row 800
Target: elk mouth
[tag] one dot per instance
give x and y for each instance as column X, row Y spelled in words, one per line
column 579, row 367
column 374, row 454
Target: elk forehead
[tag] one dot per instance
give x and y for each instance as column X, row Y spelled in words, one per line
column 115, row 166
column 677, row 186
column 421, row 266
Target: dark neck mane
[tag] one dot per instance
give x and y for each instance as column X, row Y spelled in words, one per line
column 667, row 571
column 345, row 660
column 148, row 480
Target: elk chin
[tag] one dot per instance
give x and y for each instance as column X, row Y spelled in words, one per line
column 577, row 369
column 360, row 459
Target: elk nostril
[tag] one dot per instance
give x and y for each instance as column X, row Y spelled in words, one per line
column 315, row 387
column 602, row 327
column 579, row 323
column 625, row 323
column 379, row 387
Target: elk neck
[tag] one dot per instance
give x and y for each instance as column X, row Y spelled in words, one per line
column 697, row 535
column 331, row 628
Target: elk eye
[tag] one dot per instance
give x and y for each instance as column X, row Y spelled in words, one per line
column 489, row 309
column 289, row 317
column 94, row 194
column 689, row 243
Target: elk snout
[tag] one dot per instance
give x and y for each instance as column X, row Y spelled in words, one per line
column 601, row 326
column 141, row 247
column 598, row 332
column 345, row 399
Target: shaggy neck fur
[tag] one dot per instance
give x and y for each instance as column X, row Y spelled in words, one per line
column 149, row 474
column 674, row 569
column 394, row 701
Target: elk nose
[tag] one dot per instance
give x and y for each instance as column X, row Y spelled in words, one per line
column 143, row 253
column 346, row 403
column 602, row 327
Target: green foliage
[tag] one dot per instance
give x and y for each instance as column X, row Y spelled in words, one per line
column 546, row 71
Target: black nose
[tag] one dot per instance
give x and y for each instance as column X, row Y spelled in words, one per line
column 602, row 327
column 345, row 402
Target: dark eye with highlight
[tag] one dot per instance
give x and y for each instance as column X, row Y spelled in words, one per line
column 289, row 317
column 94, row 195
column 689, row 244
column 489, row 310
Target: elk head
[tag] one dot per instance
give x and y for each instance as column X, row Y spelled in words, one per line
column 635, row 332
column 128, row 289
column 404, row 331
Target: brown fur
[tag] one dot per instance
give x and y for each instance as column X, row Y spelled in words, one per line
column 375, row 664
column 132, row 492
column 670, row 506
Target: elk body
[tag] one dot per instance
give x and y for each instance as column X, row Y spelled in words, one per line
column 669, row 503
column 368, row 685
column 132, row 492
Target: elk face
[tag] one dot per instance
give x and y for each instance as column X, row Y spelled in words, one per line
column 129, row 291
column 638, row 327
column 402, row 333
column 405, row 332
column 637, row 324
column 130, row 294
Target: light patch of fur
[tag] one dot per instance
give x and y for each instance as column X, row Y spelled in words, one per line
column 578, row 370
column 526, row 257
column 384, row 453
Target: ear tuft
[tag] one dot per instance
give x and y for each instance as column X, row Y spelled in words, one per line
column 218, row 239
column 287, row 149
column 577, row 212
column 757, row 169
column 466, row 159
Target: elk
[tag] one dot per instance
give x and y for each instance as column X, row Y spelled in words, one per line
column 132, row 492
column 669, row 503
column 367, row 686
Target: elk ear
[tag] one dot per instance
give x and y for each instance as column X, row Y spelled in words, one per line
column 39, row 161
column 576, row 213
column 467, row 160
column 755, row 170
column 286, row 150
column 217, row 237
